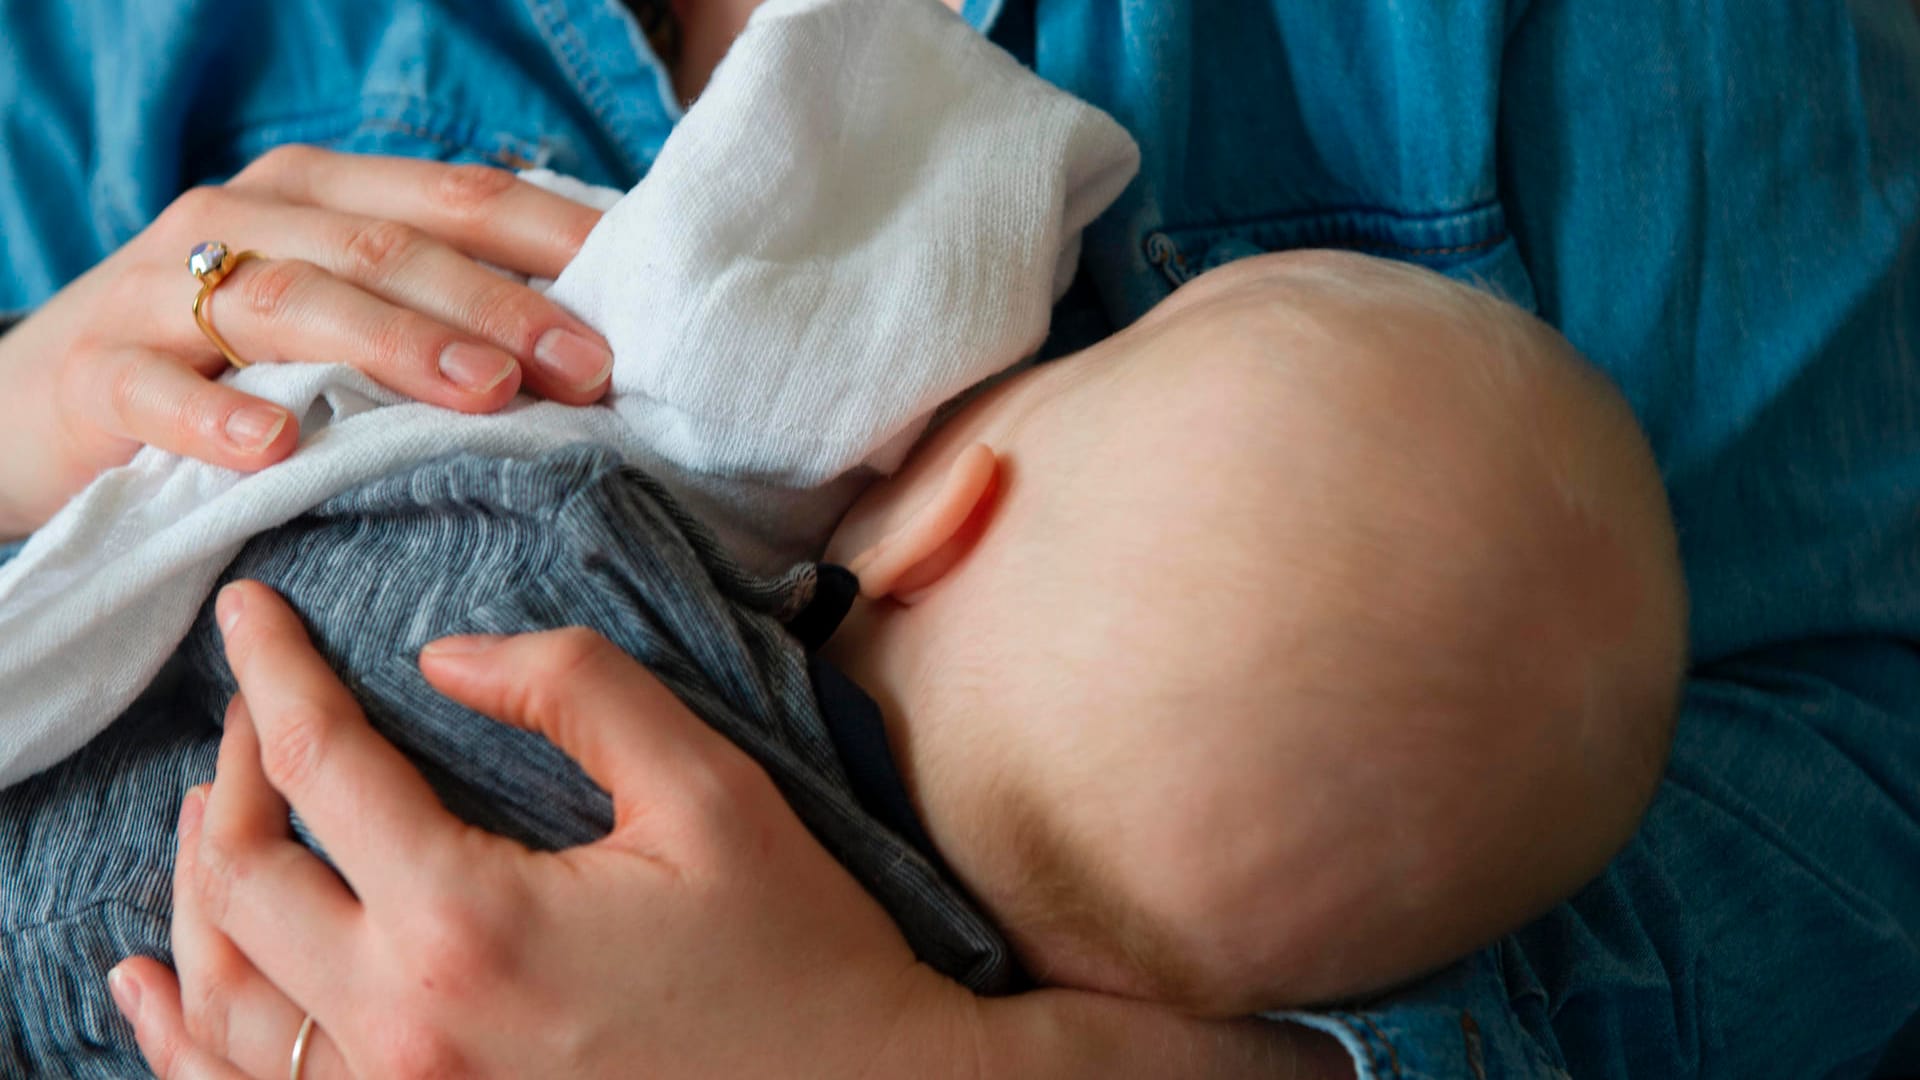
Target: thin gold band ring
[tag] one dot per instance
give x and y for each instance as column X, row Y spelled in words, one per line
column 300, row 1042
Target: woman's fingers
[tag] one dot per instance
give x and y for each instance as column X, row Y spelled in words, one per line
column 150, row 397
column 288, row 309
column 149, row 997
column 563, row 358
column 488, row 213
column 606, row 711
column 268, row 894
column 367, row 806
column 227, row 1007
column 405, row 268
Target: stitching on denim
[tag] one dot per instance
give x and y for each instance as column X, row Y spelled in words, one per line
column 502, row 155
column 1347, row 219
column 415, row 130
column 1345, row 210
column 347, row 119
column 346, row 115
column 551, row 19
column 1393, row 1054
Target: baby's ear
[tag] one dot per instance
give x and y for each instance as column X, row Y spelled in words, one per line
column 911, row 558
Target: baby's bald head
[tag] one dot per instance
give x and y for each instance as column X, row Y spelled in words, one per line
column 1338, row 536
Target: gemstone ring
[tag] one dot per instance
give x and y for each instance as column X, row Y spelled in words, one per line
column 211, row 262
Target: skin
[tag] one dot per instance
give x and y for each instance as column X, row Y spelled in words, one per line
column 1298, row 700
column 371, row 261
column 442, row 950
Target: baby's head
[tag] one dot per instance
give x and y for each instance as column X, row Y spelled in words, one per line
column 1250, row 601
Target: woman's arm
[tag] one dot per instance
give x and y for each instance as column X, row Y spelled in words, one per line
column 707, row 934
column 369, row 261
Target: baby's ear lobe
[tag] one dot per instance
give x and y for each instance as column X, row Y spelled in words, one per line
column 907, row 561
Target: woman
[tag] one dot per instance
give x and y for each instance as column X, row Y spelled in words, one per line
column 1738, row 252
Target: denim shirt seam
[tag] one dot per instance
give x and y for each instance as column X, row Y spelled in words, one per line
column 397, row 112
column 1485, row 221
column 560, row 31
column 551, row 20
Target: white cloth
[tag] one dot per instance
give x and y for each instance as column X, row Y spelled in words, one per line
column 870, row 209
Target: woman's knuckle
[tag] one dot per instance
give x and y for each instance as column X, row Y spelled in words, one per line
column 134, row 287
column 287, row 159
column 271, row 288
column 509, row 313
column 739, row 782
column 722, row 795
column 458, row 944
column 292, row 753
column 419, row 1051
column 188, row 211
column 377, row 249
column 126, row 381
column 402, row 337
column 215, row 868
column 207, row 1007
column 185, row 220
column 574, row 649
column 473, row 191
column 165, row 1048
column 564, row 658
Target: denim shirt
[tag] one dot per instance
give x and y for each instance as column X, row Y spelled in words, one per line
column 1720, row 207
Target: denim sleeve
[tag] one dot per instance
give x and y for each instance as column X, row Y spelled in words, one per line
column 1765, row 920
column 1460, row 1024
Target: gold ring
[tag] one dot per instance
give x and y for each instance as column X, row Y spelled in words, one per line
column 211, row 262
column 300, row 1041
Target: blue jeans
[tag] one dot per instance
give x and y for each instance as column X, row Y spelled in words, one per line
column 461, row 545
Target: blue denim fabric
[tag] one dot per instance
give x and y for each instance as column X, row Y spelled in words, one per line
column 458, row 546
column 1720, row 204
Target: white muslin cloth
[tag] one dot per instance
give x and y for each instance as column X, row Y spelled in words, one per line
column 870, row 209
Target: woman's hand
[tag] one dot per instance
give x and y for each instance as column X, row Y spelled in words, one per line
column 370, row 261
column 707, row 934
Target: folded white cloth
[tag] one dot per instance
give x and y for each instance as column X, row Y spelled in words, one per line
column 870, row 209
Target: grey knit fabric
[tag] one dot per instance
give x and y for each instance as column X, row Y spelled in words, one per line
column 461, row 545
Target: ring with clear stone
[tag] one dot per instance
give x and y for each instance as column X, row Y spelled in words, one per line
column 211, row 262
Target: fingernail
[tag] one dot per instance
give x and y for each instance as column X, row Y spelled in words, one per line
column 252, row 427
column 574, row 360
column 229, row 607
column 126, row 992
column 192, row 809
column 464, row 645
column 475, row 367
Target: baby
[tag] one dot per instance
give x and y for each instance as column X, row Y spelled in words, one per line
column 1309, row 634
column 1312, row 632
